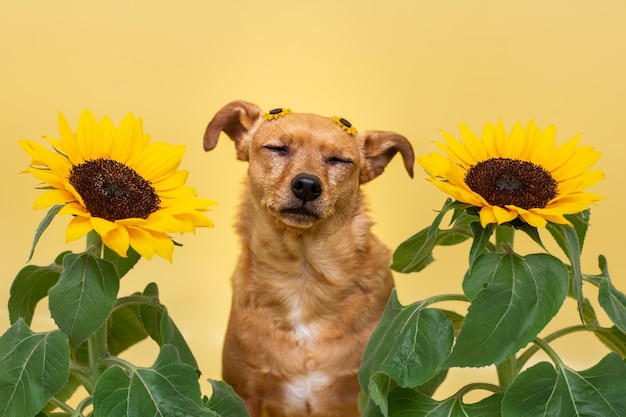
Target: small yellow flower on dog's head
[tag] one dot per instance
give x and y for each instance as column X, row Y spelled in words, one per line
column 345, row 125
column 276, row 113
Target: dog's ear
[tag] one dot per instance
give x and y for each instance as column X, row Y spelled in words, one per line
column 378, row 149
column 235, row 119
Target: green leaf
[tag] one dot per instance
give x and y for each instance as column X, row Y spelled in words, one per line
column 430, row 387
column 407, row 348
column 612, row 338
column 571, row 240
column 150, row 318
column 171, row 335
column 168, row 388
column 124, row 328
column 84, row 296
column 45, row 222
column 543, row 391
column 613, row 302
column 122, row 265
column 480, row 242
column 224, row 402
column 406, row 402
column 513, row 298
column 367, row 407
column 30, row 286
column 415, row 253
column 33, row 367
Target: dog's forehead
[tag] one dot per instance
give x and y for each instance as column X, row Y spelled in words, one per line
column 307, row 128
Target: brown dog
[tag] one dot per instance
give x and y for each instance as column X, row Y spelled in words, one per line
column 312, row 280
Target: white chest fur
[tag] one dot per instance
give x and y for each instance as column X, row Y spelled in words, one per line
column 302, row 391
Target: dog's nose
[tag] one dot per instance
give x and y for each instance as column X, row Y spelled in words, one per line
column 306, row 187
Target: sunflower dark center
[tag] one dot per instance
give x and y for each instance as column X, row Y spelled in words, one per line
column 113, row 191
column 505, row 181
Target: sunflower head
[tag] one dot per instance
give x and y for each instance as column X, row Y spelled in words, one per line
column 118, row 184
column 521, row 174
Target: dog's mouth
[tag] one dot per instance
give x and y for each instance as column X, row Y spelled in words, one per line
column 299, row 215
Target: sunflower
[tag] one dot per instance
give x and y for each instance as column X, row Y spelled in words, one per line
column 118, row 184
column 517, row 175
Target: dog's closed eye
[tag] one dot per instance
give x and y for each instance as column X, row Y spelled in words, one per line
column 281, row 150
column 340, row 160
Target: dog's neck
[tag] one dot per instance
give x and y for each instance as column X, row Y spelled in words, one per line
column 309, row 272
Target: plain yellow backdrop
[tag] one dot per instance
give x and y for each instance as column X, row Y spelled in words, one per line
column 409, row 66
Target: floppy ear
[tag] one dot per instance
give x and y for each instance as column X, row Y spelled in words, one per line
column 235, row 119
column 379, row 148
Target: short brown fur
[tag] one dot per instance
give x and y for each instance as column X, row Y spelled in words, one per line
column 312, row 280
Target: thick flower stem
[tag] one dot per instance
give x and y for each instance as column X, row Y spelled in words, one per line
column 504, row 238
column 97, row 342
column 507, row 370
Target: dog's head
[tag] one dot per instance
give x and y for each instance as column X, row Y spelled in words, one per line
column 305, row 168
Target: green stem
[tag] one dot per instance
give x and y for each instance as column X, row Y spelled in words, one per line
column 83, row 375
column 97, row 342
column 507, row 370
column 548, row 349
column 476, row 386
column 443, row 297
column 61, row 405
column 504, row 238
column 94, row 243
column 81, row 407
column 524, row 357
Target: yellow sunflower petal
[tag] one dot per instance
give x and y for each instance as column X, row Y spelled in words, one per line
column 489, row 139
column 78, row 227
column 42, row 157
column 504, row 215
column 159, row 159
column 102, row 226
column 458, row 150
column 502, row 140
column 88, row 138
column 171, row 182
column 51, row 198
column 473, row 145
column 99, row 153
column 75, row 209
column 487, row 216
column 562, row 154
column 581, row 160
column 533, row 218
column 47, row 176
column 176, row 193
column 517, row 141
column 129, row 140
column 68, row 141
column 117, row 240
column 435, row 164
column 163, row 245
column 562, row 176
column 581, row 182
column 142, row 241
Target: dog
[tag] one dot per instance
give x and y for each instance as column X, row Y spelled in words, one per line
column 312, row 280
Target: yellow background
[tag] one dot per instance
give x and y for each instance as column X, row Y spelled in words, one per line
column 410, row 66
